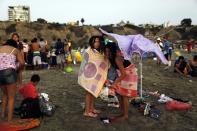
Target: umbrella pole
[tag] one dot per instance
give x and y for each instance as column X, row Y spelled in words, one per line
column 141, row 78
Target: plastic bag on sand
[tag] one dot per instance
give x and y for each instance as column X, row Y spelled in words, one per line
column 176, row 105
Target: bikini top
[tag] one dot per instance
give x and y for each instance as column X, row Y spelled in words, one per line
column 126, row 63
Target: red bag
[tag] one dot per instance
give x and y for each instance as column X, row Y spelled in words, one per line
column 176, row 105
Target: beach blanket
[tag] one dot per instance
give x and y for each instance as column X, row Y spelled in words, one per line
column 93, row 71
column 19, row 125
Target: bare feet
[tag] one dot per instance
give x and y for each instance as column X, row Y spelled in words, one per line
column 90, row 114
column 96, row 111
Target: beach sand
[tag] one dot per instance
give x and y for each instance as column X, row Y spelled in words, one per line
column 64, row 92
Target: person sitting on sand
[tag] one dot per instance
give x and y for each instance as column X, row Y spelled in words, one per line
column 29, row 90
column 180, row 65
column 192, row 67
column 126, row 83
column 31, row 99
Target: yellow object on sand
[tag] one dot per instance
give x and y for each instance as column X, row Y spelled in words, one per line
column 68, row 69
column 93, row 72
column 78, row 56
column 177, row 53
column 69, row 58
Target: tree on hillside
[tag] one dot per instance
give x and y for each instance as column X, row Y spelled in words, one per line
column 68, row 35
column 82, row 21
column 186, row 22
column 77, row 23
column 40, row 20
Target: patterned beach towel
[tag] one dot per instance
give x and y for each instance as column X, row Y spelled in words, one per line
column 128, row 86
column 93, row 71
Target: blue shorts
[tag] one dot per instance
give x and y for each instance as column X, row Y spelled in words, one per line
column 53, row 60
column 8, row 76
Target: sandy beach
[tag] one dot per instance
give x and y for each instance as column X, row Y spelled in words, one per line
column 64, row 92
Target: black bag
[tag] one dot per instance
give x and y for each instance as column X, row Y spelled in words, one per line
column 30, row 108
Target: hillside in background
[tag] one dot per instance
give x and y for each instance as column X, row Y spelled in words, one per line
column 79, row 35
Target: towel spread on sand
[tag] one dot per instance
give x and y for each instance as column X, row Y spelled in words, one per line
column 93, row 71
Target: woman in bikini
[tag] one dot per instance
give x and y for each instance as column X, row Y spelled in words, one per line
column 126, row 84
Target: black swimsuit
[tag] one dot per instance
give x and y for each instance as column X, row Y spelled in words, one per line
column 126, row 63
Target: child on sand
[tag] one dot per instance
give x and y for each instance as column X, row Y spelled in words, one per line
column 180, row 65
column 95, row 43
column 29, row 90
column 30, row 106
column 126, row 83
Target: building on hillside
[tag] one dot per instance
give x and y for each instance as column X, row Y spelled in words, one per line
column 121, row 23
column 19, row 13
column 73, row 23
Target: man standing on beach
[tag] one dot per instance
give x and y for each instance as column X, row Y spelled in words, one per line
column 25, row 49
column 59, row 46
column 159, row 44
column 43, row 50
column 189, row 46
column 168, row 50
column 36, row 53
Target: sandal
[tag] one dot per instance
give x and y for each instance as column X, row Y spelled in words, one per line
column 90, row 114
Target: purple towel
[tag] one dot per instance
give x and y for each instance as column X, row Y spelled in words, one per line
column 130, row 44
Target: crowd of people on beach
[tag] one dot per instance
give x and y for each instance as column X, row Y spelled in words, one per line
column 16, row 54
column 39, row 54
column 181, row 65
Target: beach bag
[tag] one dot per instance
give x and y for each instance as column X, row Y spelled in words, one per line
column 30, row 108
column 46, row 107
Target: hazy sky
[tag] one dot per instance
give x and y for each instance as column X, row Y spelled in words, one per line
column 107, row 11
